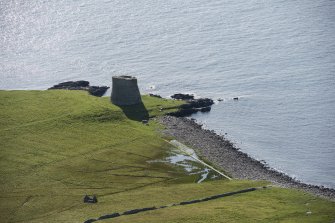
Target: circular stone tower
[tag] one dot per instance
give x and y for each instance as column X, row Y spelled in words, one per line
column 125, row 91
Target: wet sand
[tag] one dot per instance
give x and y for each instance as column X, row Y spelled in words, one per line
column 224, row 155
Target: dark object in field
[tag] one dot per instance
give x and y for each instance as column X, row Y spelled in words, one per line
column 90, row 199
column 155, row 95
column 235, row 99
column 145, row 122
column 180, row 96
column 81, row 85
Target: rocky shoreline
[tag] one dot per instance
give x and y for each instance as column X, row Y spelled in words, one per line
column 223, row 154
column 191, row 105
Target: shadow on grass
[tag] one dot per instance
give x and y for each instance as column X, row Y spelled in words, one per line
column 136, row 112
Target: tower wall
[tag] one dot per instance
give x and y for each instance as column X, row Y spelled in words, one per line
column 125, row 91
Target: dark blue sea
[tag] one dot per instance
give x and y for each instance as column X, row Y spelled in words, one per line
column 277, row 56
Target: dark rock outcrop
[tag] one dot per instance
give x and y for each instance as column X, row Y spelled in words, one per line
column 184, row 112
column 81, row 85
column 198, row 103
column 192, row 106
column 180, row 96
column 206, row 109
column 71, row 85
column 97, row 90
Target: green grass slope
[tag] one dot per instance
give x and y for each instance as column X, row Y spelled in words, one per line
column 57, row 146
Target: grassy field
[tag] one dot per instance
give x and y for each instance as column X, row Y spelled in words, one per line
column 57, row 146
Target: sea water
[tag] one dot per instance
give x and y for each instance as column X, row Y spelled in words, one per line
column 277, row 56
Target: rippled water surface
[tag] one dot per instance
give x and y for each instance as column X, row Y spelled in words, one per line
column 277, row 56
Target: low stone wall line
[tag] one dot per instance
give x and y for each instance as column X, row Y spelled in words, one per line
column 135, row 211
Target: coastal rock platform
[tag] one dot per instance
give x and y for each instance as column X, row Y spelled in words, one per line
column 192, row 105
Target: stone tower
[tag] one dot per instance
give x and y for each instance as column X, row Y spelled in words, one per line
column 125, row 91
